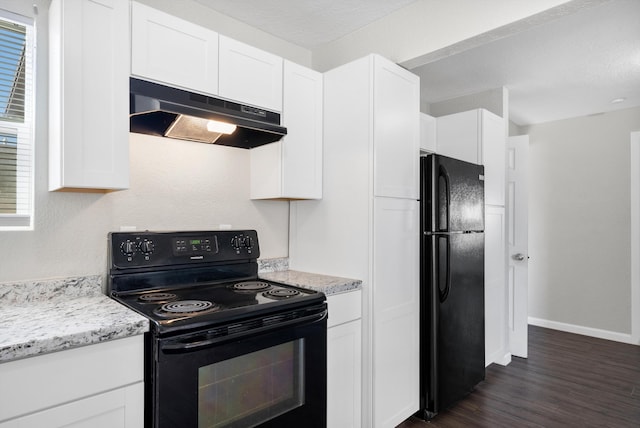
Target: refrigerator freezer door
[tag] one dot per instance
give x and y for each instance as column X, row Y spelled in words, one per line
column 454, row 194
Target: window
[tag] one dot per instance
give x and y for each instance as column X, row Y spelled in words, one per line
column 16, row 121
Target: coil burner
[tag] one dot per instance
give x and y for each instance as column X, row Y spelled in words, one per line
column 186, row 308
column 251, row 286
column 157, row 297
column 281, row 293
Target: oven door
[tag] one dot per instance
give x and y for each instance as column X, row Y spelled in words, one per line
column 267, row 372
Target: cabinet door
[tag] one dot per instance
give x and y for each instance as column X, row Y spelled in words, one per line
column 89, row 94
column 250, row 75
column 458, row 136
column 396, row 127
column 302, row 146
column 343, row 375
column 173, row 51
column 395, row 311
column 120, row 408
column 292, row 168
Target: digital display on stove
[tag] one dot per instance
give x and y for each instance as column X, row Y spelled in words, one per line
column 195, row 246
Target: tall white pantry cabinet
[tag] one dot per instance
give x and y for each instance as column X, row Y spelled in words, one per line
column 479, row 136
column 367, row 225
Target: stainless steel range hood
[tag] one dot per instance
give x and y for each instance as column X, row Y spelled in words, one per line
column 170, row 112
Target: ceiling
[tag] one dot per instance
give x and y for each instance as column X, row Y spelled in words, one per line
column 307, row 23
column 572, row 66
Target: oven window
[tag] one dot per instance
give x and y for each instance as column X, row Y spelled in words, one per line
column 252, row 388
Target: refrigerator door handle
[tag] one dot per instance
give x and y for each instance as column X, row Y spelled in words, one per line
column 443, row 177
column 444, row 292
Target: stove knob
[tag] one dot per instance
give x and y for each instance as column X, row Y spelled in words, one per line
column 236, row 242
column 146, row 247
column 128, row 248
column 248, row 242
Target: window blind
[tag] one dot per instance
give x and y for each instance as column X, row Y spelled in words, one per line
column 16, row 121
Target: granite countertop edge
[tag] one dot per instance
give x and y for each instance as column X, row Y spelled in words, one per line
column 327, row 284
column 52, row 315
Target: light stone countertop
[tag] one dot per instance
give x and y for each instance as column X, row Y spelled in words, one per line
column 38, row 317
column 327, row 284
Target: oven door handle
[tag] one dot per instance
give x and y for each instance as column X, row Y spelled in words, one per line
column 183, row 346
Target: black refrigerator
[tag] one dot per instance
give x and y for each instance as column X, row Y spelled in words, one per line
column 451, row 281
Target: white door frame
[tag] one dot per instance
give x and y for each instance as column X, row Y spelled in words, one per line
column 635, row 238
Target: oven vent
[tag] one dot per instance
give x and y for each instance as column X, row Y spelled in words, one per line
column 243, row 326
column 277, row 319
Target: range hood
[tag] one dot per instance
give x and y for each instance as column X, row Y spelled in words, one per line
column 170, row 112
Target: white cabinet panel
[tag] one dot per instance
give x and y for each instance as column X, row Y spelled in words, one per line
column 89, row 94
column 292, row 168
column 170, row 50
column 396, row 310
column 457, row 136
column 32, row 384
column 477, row 136
column 428, row 137
column 396, row 130
column 492, row 137
column 121, row 408
column 344, row 375
column 249, row 75
column 495, row 285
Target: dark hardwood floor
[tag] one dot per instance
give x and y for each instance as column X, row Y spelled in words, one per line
column 568, row 380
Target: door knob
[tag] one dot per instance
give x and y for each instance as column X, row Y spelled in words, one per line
column 518, row 257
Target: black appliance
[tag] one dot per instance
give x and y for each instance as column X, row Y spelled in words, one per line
column 451, row 281
column 175, row 113
column 225, row 348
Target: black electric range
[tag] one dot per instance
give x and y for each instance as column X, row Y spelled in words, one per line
column 225, row 348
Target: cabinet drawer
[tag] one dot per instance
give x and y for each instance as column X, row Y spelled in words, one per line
column 344, row 307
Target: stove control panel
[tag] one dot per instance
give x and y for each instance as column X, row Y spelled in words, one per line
column 152, row 249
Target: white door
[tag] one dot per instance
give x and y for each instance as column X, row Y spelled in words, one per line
column 517, row 236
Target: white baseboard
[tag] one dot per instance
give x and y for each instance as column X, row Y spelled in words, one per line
column 585, row 331
column 505, row 360
column 498, row 358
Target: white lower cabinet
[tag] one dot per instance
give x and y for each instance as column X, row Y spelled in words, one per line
column 121, row 408
column 95, row 386
column 344, row 353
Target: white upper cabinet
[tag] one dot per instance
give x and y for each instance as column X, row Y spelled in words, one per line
column 477, row 136
column 428, row 133
column 396, row 130
column 292, row 168
column 89, row 94
column 170, row 50
column 249, row 75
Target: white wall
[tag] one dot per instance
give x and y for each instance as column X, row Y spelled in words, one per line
column 579, row 221
column 174, row 185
